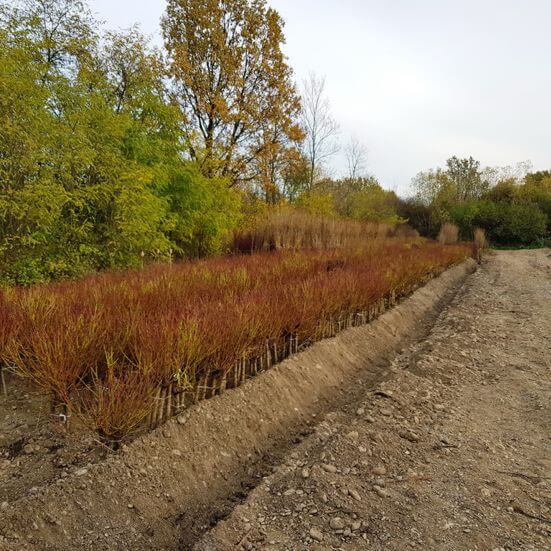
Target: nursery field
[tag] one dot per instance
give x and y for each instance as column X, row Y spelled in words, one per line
column 119, row 352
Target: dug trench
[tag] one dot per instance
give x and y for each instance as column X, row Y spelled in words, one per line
column 167, row 488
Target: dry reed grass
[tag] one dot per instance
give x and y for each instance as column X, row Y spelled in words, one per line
column 295, row 230
column 449, row 234
column 479, row 244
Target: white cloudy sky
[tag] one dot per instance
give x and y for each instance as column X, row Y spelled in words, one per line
column 416, row 80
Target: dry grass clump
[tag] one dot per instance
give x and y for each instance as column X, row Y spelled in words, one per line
column 295, row 230
column 405, row 231
column 479, row 244
column 449, row 234
column 107, row 346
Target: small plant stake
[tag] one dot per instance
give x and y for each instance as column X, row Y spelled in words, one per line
column 4, row 387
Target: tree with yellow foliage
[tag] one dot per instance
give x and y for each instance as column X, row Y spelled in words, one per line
column 233, row 84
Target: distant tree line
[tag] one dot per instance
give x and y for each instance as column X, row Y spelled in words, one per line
column 512, row 204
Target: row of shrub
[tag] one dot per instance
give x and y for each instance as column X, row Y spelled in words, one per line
column 102, row 345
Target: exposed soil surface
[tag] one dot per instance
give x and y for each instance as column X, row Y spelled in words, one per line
column 451, row 452
column 36, row 447
column 428, row 428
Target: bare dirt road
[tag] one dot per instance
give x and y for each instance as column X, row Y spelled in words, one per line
column 451, row 452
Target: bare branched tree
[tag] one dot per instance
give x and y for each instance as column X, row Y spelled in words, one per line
column 356, row 158
column 495, row 174
column 319, row 126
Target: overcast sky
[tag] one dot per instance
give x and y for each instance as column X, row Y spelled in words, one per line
column 416, row 81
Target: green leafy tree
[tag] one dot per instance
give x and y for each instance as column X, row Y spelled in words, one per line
column 461, row 181
column 435, row 187
column 375, row 204
column 91, row 150
column 537, row 190
column 363, row 199
column 203, row 212
column 466, row 177
column 504, row 191
column 504, row 223
column 538, row 179
column 295, row 178
column 317, row 202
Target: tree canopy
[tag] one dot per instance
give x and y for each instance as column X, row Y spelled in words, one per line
column 234, row 85
column 90, row 151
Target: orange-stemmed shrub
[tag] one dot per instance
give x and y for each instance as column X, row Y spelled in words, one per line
column 103, row 345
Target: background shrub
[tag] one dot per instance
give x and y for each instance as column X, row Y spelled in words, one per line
column 504, row 223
